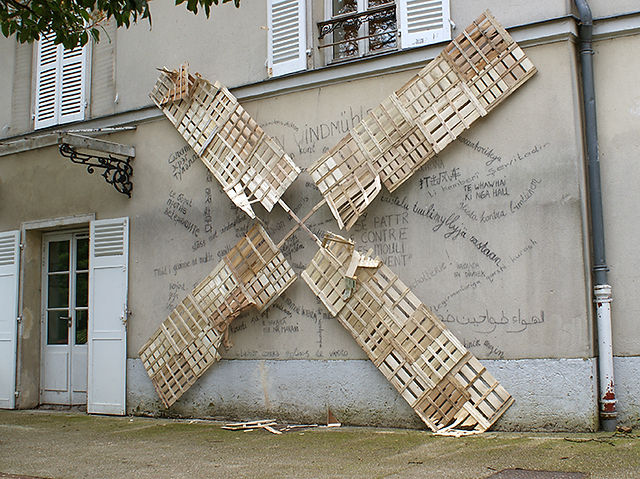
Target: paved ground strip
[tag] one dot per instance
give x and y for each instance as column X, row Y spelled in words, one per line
column 54, row 444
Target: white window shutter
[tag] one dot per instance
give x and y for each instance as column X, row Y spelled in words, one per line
column 61, row 81
column 47, row 81
column 73, row 82
column 9, row 268
column 423, row 22
column 287, row 36
column 108, row 285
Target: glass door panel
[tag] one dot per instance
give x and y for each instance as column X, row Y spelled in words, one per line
column 80, row 315
column 81, row 290
column 57, row 290
column 65, row 315
column 58, row 327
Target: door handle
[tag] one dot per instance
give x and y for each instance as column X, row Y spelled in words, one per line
column 67, row 319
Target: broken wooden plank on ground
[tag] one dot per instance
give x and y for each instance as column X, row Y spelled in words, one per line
column 253, row 274
column 268, row 425
column 441, row 380
column 239, row 426
column 249, row 165
column 481, row 67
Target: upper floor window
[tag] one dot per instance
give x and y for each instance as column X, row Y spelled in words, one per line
column 61, row 78
column 356, row 28
column 351, row 29
column 359, row 27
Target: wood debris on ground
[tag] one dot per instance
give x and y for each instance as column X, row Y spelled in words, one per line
column 269, row 425
column 273, row 427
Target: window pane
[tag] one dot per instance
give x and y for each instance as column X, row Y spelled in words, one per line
column 58, row 296
column 58, row 256
column 82, row 256
column 344, row 6
column 57, row 327
column 81, row 326
column 82, row 289
column 346, row 31
column 347, row 36
column 382, row 31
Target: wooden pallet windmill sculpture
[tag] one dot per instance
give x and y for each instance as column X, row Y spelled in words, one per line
column 441, row 380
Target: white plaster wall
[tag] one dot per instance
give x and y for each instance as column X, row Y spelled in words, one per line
column 607, row 8
column 618, row 109
column 626, row 372
column 230, row 46
column 514, row 13
column 7, row 63
column 214, row 46
column 551, row 395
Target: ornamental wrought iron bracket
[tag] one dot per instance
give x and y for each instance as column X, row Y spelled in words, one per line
column 355, row 19
column 117, row 167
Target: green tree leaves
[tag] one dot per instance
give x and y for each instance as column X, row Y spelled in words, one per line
column 74, row 22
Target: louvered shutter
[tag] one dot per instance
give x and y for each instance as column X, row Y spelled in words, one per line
column 287, row 37
column 47, row 68
column 61, row 78
column 73, row 81
column 108, row 285
column 9, row 267
column 423, row 22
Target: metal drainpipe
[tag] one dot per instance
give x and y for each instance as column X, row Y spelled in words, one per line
column 602, row 290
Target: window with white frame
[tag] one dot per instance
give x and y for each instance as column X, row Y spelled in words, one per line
column 359, row 27
column 61, row 83
column 356, row 28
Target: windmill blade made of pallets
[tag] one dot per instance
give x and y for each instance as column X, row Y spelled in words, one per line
column 481, row 67
column 252, row 275
column 249, row 165
column 441, row 380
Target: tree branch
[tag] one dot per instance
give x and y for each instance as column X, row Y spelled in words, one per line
column 19, row 6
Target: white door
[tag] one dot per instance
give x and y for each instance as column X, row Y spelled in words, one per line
column 65, row 294
column 108, row 282
column 9, row 262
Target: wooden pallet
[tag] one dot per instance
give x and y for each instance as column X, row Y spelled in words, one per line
column 252, row 275
column 325, row 278
column 180, row 351
column 175, row 85
column 392, row 141
column 250, row 165
column 444, row 383
column 222, row 297
column 260, row 268
column 347, row 181
column 479, row 69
